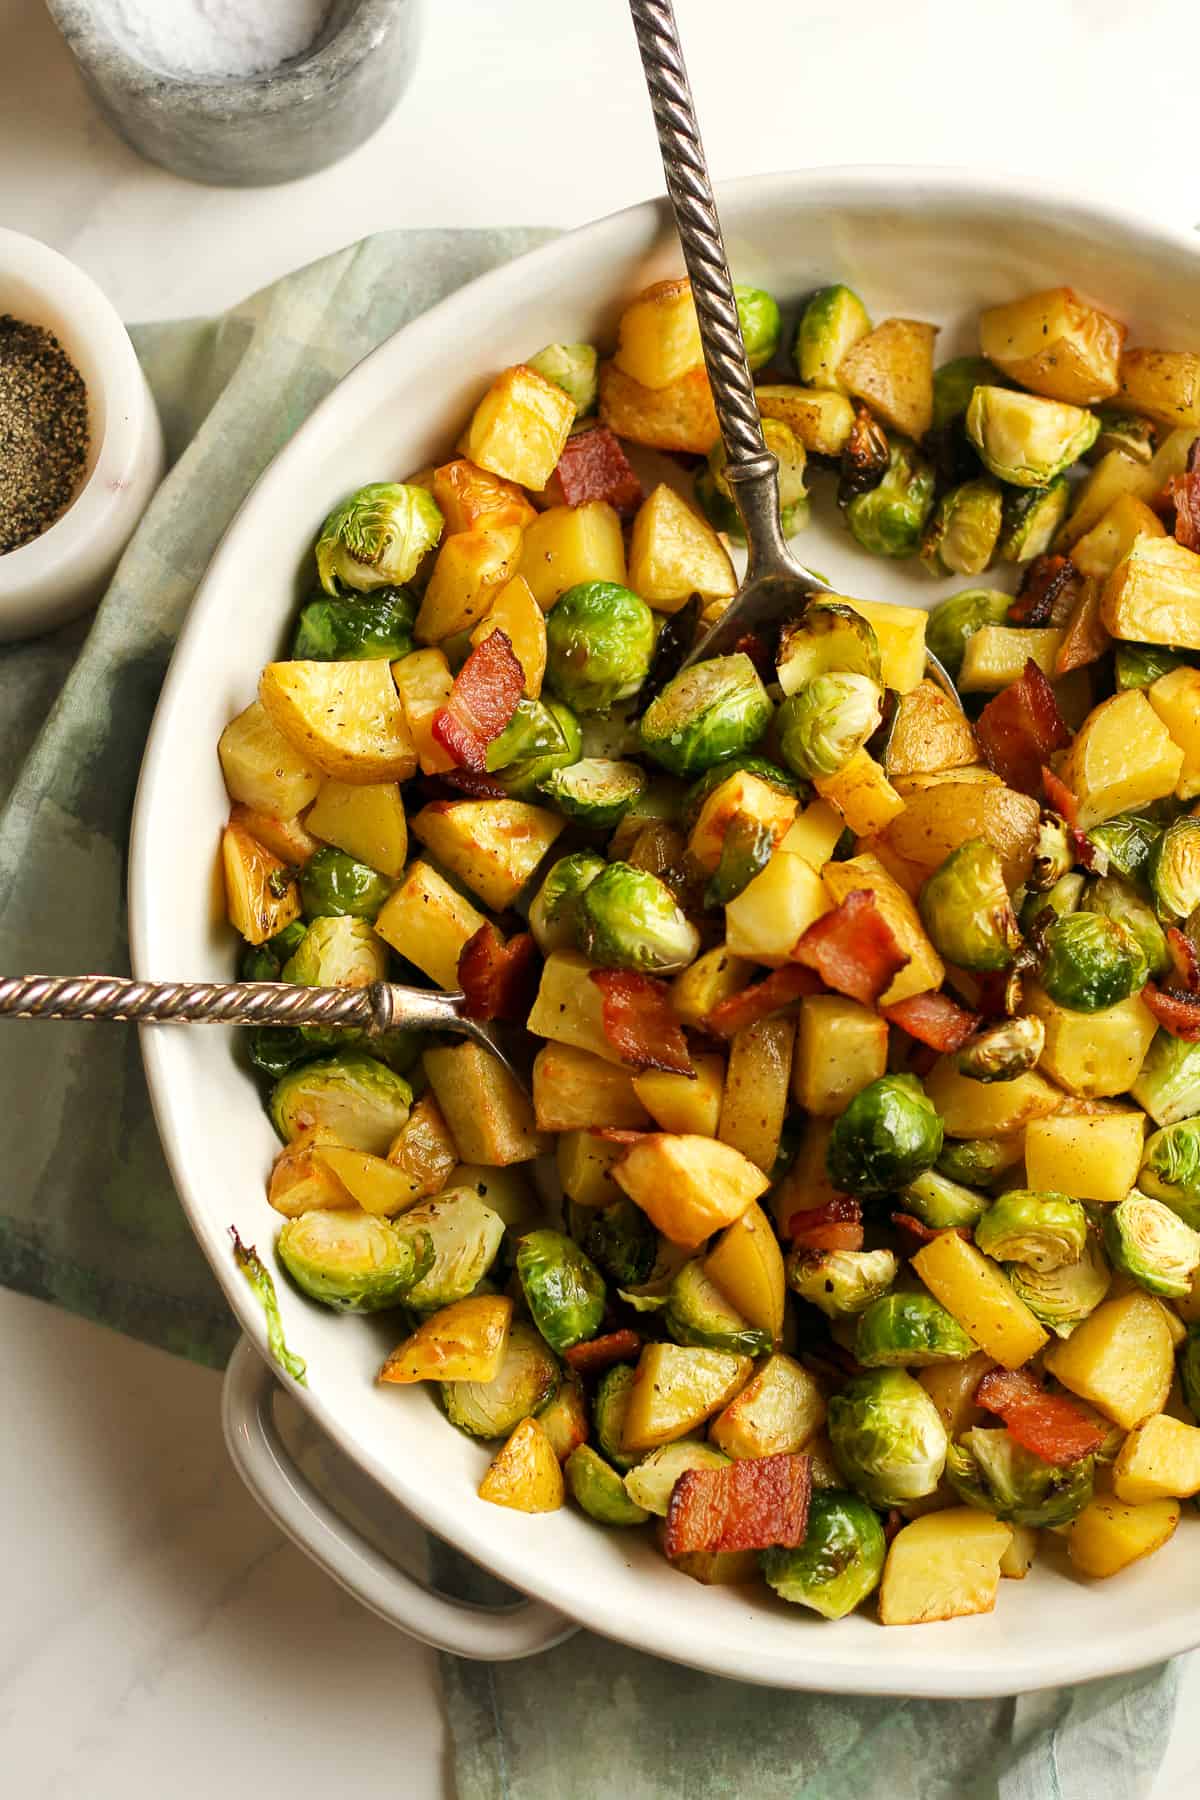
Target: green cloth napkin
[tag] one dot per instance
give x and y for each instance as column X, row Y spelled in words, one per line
column 88, row 1217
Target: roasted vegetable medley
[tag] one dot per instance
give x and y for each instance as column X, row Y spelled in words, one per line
column 848, row 1234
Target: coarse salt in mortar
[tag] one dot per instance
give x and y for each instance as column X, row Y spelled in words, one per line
column 216, row 37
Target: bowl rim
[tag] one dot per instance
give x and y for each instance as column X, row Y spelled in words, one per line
column 913, row 186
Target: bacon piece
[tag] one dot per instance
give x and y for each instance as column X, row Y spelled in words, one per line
column 602, row 1352
column 748, row 1505
column 639, row 1021
column 593, row 466
column 1059, row 797
column 1185, row 961
column 1019, row 728
column 934, row 1019
column 1089, row 855
column 1085, row 639
column 475, row 782
column 498, row 979
column 1176, row 1011
column 482, row 701
column 853, row 948
column 920, row 1233
column 1047, row 1425
column 1048, row 591
column 1185, row 492
column 837, row 1225
column 781, row 988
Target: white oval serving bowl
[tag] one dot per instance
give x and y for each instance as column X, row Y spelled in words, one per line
column 930, row 244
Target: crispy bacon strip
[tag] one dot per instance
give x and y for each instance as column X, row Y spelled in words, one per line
column 482, row 701
column 853, row 948
column 781, row 988
column 1185, row 961
column 1185, row 491
column 1059, row 797
column 748, row 1505
column 1047, row 593
column 919, row 1233
column 475, row 782
column 837, row 1225
column 639, row 1021
column 601, row 1352
column 1176, row 1011
column 1019, row 728
column 934, row 1019
column 593, row 466
column 1085, row 639
column 1047, row 1425
column 498, row 979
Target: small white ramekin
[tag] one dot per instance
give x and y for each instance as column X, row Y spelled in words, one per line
column 60, row 574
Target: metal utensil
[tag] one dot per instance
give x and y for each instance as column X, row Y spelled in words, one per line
column 775, row 584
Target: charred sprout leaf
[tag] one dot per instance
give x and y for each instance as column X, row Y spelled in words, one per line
column 628, row 919
column 841, row 1282
column 1127, row 432
column 334, row 885
column 888, row 1135
column 1152, row 1244
column 962, row 534
column 1002, row 1051
column 909, row 1331
column 1060, row 1299
column 966, row 910
column 1032, row 517
column 595, row 792
column 954, row 383
column 1053, row 854
column 989, row 1469
column 840, row 1561
column 532, row 732
column 716, row 496
column 1025, row 439
column 358, row 1099
column 573, row 368
column 675, row 640
column 1170, row 1169
column 522, row 780
column 1116, row 898
column 887, row 1437
column 698, row 1314
column 370, row 625
column 554, row 912
column 1090, row 962
column 865, row 457
column 832, row 322
column 745, row 852
column 599, row 642
column 1044, row 1230
column 1040, row 910
column 758, row 316
column 713, row 711
column 828, row 638
column 820, row 727
column 1173, row 869
column 953, row 621
column 377, row 537
column 563, row 1288
column 523, row 1386
column 766, row 771
column 940, row 1203
column 352, row 1261
column 888, row 519
column 621, row 1241
column 1139, row 665
column 259, row 1277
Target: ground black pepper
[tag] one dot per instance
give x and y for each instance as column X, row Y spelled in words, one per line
column 43, row 431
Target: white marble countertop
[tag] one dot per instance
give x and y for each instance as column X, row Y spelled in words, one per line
column 145, row 1597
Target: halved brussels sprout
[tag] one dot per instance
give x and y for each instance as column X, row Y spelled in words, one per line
column 909, row 1331
column 1127, row 432
column 887, row 1437
column 987, row 1468
column 522, row 779
column 841, row 1282
column 359, row 1100
column 1151, row 1243
column 620, row 1240
column 1060, row 1299
column 1063, row 898
column 651, row 1483
column 1170, row 1169
column 628, row 919
column 840, row 1561
column 746, row 850
column 976, row 1162
column 1043, row 1231
column 599, row 1490
column 352, row 1261
column 1125, row 843
column 710, row 713
column 608, row 1411
column 1004, row 1050
column 829, row 637
column 526, row 1382
column 599, row 641
column 698, row 1313
column 563, row 1288
column 963, row 532
column 954, row 383
column 1053, row 855
column 889, row 518
column 966, row 910
column 334, row 885
column 264, row 962
column 953, row 621
column 758, row 316
column 1024, row 439
column 716, row 496
column 941, row 1203
column 1091, row 962
column 377, row 538
column 1032, row 517
column 887, row 1136
column 573, row 368
column 466, row 1236
column 1174, row 869
column 274, row 1050
column 1140, row 665
column 337, row 951
column 1168, row 1083
column 553, row 914
column 334, row 630
column 832, row 322
column 595, row 791
column 1116, row 898
column 830, row 718
column 531, row 733
column 771, row 773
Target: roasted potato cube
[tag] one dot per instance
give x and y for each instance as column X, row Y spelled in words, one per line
column 929, row 734
column 1120, row 1359
column 765, row 921
column 1018, row 1559
column 924, row 969
column 300, row 1182
column 345, row 718
column 996, row 655
column 979, row 1109
column 525, row 1474
column 714, row 976
column 1109, row 1534
column 470, row 496
column 569, row 544
column 471, row 569
column 755, row 1099
column 745, row 797
column 807, row 1182
column 675, row 1389
column 680, row 416
column 981, row 1297
column 892, row 370
column 943, row 1566
column 493, row 846
column 658, row 338
column 1163, row 383
column 688, row 1186
column 1055, row 344
column 841, row 1047
column 1112, row 537
column 746, row 1264
column 674, row 553
column 519, row 427
column 424, row 1148
column 464, row 1341
column 491, row 1119
column 682, row 1104
column 821, row 420
column 365, row 822
column 1090, row 1157
column 1159, row 1460
column 937, row 820
column 1093, row 1055
column 260, row 896
column 585, row 1168
column 951, row 1386
column 288, row 839
column 1122, row 759
column 428, row 922
column 901, row 634
column 1153, row 595
column 377, row 1186
column 569, row 1008
column 1176, row 700
column 777, row 1413
column 576, row 1091
column 262, row 767
column 862, row 794
column 424, row 681
column 813, row 834
column 516, row 613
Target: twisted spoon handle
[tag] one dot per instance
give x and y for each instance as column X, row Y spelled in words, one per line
column 373, row 1008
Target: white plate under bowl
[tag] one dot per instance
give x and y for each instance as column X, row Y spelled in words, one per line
column 928, row 244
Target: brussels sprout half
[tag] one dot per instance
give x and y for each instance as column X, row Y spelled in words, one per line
column 1140, row 665
column 909, row 1331
column 598, row 1489
column 1060, row 1299
column 716, row 496
column 522, row 779
column 1053, row 855
column 1090, row 962
column 628, row 919
column 334, row 885
column 887, row 1136
column 1115, row 898
column 989, row 1469
column 1063, row 898
column 964, row 529
column 966, row 910
column 338, row 951
column 264, row 962
column 377, row 537
column 1032, row 517
column 820, row 727
column 953, row 621
column 352, row 1261
column 573, row 368
column 840, row 1561
column 595, row 792
column 553, row 913
column 941, row 1203
column 708, row 714
column 620, row 1240
column 1125, row 843
column 275, row 1050
column 563, row 1288
column 1152, row 1244
column 599, row 642
column 1174, row 869
column 698, row 1313
column 1170, row 1169
column 761, row 325
column 1002, row 1051
column 525, row 1383
column 1168, row 1083
column 358, row 1099
column 829, row 637
column 888, row 519
column 371, row 625
column 651, row 1482
column 841, row 1282
column 1025, row 439
column 608, row 1411
column 832, row 322
column 887, row 1437
column 532, row 732
column 466, row 1236
column 1044, row 1231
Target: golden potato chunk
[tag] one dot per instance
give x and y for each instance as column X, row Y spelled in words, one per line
column 821, row 419
column 924, row 969
column 1111, row 538
column 1153, row 594
column 344, row 717
column 519, row 427
column 777, row 1413
column 576, row 1091
column 1122, row 759
column 260, row 896
column 755, row 1097
column 841, row 1047
column 1176, row 700
column 677, row 1388
column 1120, row 1359
column 892, row 370
column 714, row 976
column 743, row 797
column 429, row 922
column 680, row 416
column 375, row 1184
column 746, row 1264
column 490, row 1116
column 525, row 1474
column 658, row 337
column 1109, row 1534
column 300, row 1182
column 769, row 916
column 423, row 681
column 1088, row 1157
column 981, row 1297
column 674, row 553
column 1163, row 383
column 262, row 767
column 688, row 1186
column 929, row 734
column 937, row 820
column 468, row 496
column 813, row 834
column 464, row 1341
column 988, row 1109
column 1093, row 1055
column 471, row 569
column 1159, row 1460
column 569, row 544
column 365, row 822
column 584, row 1164
column 862, row 794
column 943, row 1566
column 685, row 1104
column 569, row 1008
column 1055, row 344
column 493, row 846
column 517, row 614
